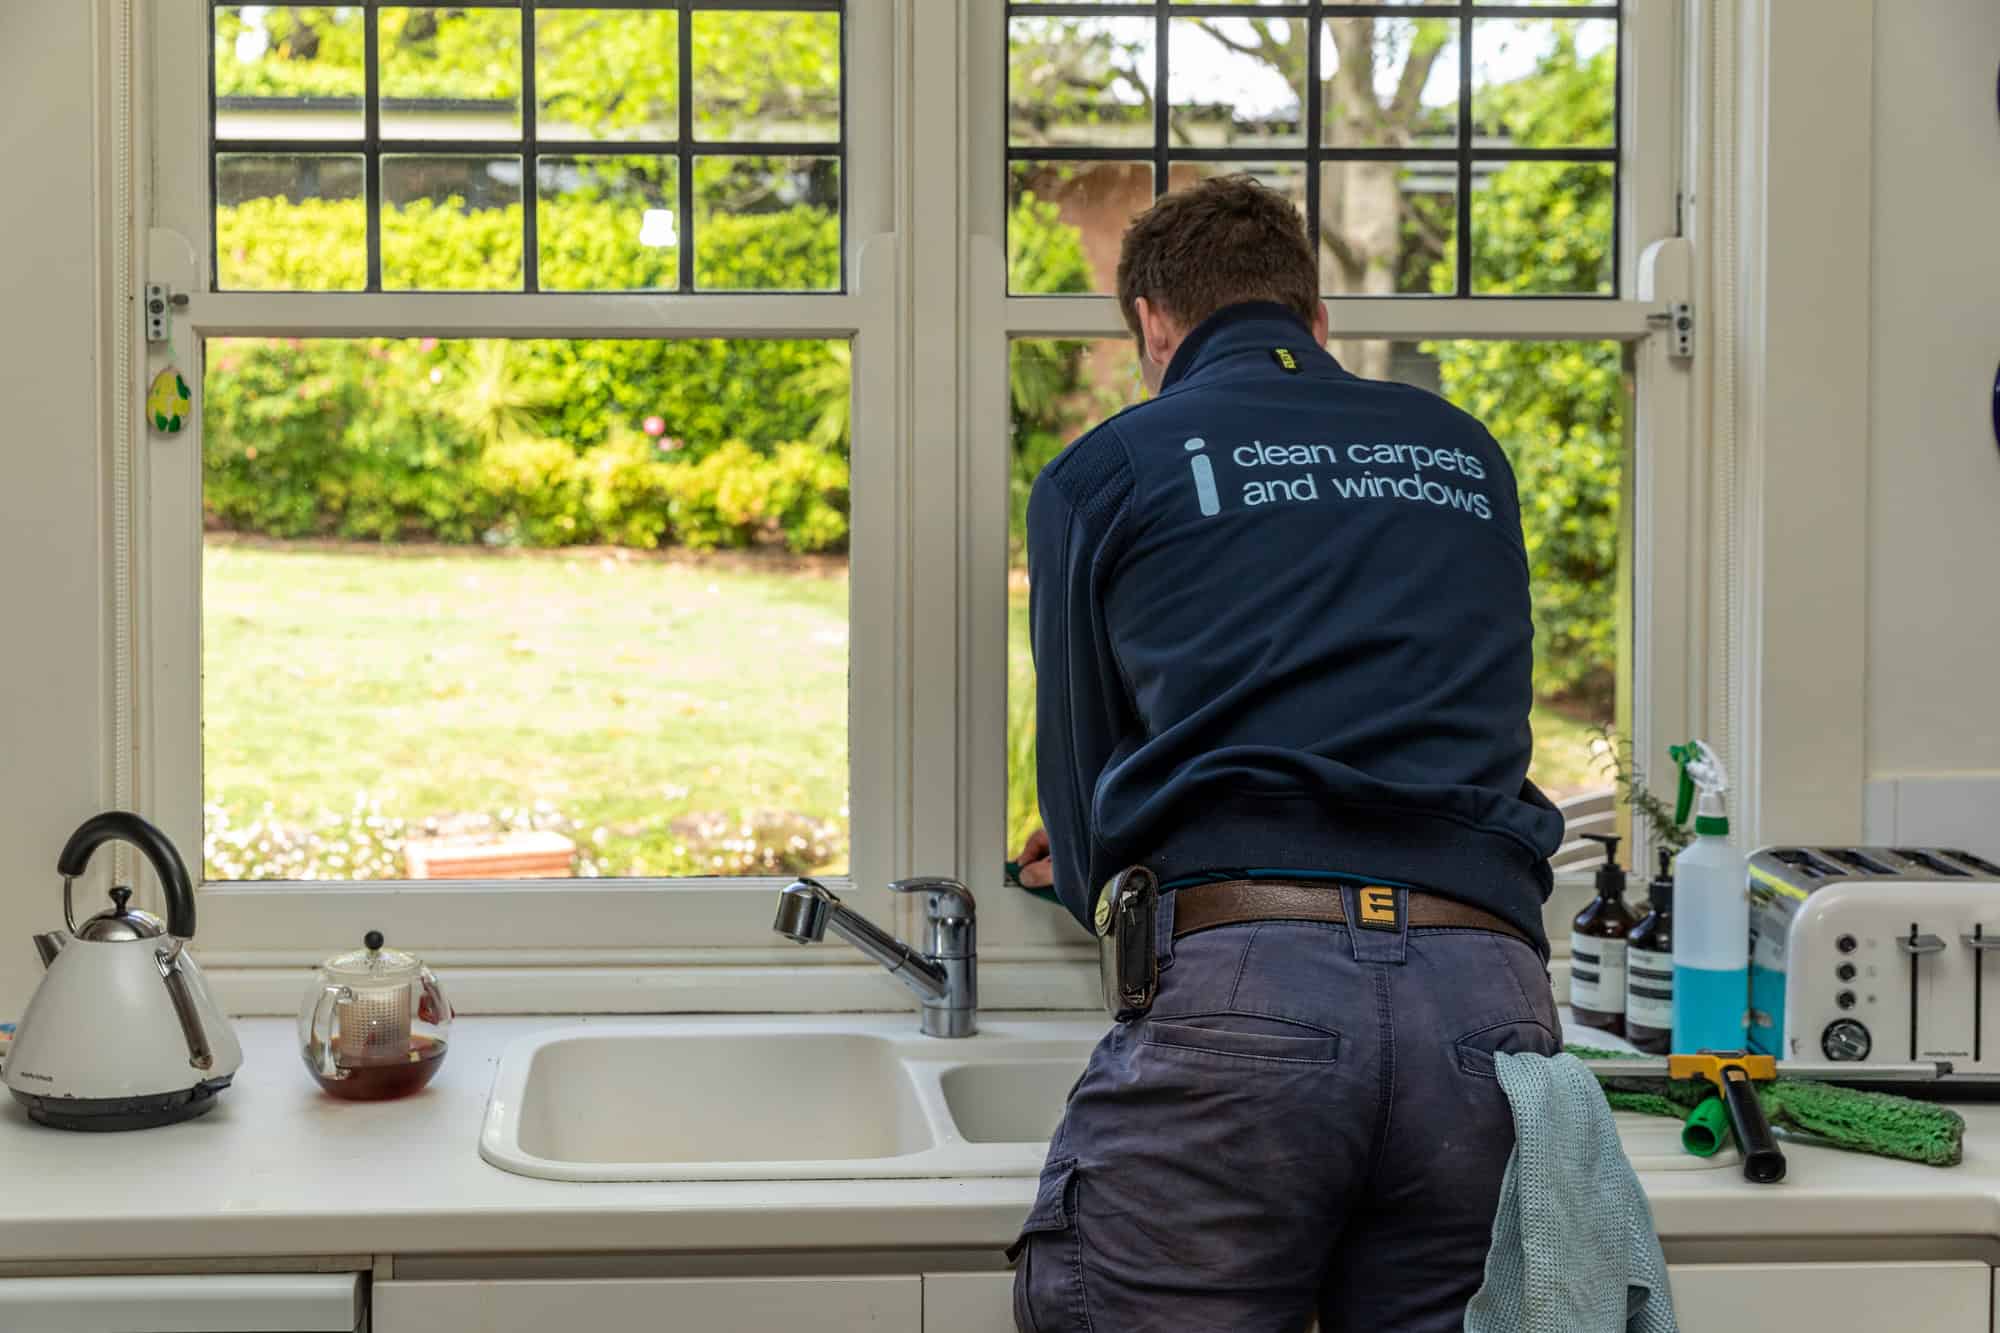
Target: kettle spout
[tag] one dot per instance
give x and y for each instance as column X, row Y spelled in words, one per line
column 49, row 944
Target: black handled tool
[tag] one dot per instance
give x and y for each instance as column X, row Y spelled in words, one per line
column 1763, row 1160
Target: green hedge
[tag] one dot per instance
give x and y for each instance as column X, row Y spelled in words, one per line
column 542, row 442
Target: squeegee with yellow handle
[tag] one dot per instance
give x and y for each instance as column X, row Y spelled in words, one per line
column 1804, row 1098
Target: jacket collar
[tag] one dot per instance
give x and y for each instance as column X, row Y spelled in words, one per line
column 1247, row 326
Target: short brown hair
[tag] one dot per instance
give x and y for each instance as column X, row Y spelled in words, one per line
column 1225, row 241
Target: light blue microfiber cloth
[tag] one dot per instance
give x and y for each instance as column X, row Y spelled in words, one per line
column 1574, row 1250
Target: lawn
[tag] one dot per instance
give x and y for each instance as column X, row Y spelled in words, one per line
column 647, row 707
column 672, row 716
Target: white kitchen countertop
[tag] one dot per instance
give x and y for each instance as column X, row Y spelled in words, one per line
column 280, row 1169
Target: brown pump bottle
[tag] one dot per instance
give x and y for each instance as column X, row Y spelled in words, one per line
column 1649, row 967
column 1597, row 947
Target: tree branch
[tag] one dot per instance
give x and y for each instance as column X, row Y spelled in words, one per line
column 1240, row 48
column 1416, row 73
column 1349, row 257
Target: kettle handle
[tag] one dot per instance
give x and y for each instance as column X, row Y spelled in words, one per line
column 123, row 826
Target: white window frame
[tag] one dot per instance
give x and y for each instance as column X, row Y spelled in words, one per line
column 529, row 924
column 1661, row 680
column 931, row 320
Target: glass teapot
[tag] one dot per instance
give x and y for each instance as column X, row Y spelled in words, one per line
column 373, row 1025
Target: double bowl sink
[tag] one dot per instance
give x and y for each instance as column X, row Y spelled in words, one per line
column 839, row 1097
column 848, row 1097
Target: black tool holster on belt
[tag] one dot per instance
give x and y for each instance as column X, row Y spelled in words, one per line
column 1128, row 959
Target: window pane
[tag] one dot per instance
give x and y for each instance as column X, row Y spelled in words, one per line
column 288, row 72
column 1543, row 227
column 609, row 223
column 1557, row 409
column 767, row 223
column 1387, row 228
column 451, row 223
column 1545, row 83
column 1082, row 81
column 766, row 77
column 1236, row 82
column 1059, row 388
column 451, row 73
column 565, row 608
column 290, row 223
column 607, row 74
column 1065, row 221
column 1287, row 178
column 1389, row 83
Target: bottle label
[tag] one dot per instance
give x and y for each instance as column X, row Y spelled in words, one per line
column 1649, row 989
column 1596, row 974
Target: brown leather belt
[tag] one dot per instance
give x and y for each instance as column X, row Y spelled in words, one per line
column 1206, row 906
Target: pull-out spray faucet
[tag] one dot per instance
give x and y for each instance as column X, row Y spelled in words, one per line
column 944, row 976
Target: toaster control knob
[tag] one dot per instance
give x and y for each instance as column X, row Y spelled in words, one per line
column 1845, row 1039
column 1847, row 944
column 1845, row 999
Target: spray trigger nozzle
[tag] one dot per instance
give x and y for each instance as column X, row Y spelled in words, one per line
column 1701, row 771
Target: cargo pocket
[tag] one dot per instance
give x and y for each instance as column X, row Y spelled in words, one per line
column 1048, row 1290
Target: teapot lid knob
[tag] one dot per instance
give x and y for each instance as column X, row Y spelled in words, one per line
column 119, row 897
column 373, row 940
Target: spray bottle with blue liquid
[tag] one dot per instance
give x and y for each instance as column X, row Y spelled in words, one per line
column 1711, row 913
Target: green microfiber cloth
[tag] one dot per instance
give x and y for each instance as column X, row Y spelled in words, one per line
column 1871, row 1122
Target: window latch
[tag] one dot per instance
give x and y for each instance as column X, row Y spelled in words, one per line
column 1678, row 320
column 160, row 300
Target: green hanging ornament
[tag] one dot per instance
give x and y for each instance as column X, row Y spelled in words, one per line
column 168, row 402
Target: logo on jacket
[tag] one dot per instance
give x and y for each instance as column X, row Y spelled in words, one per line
column 1286, row 361
column 1204, row 479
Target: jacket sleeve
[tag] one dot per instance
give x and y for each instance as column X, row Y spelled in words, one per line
column 1081, row 711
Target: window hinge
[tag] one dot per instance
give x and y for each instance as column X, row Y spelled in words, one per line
column 161, row 300
column 1677, row 319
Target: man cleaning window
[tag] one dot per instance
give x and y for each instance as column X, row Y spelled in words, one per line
column 1283, row 654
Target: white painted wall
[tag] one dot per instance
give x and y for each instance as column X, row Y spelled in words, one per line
column 52, row 648
column 1933, row 686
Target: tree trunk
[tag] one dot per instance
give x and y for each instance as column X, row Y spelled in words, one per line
column 1361, row 203
column 1360, row 223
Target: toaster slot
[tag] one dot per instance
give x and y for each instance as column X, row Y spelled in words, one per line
column 1803, row 861
column 1978, row 863
column 1855, row 859
column 1918, row 856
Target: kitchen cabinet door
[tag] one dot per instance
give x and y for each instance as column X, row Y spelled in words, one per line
column 968, row 1303
column 1834, row 1298
column 654, row 1305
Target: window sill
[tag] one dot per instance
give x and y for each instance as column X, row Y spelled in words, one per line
column 785, row 980
column 723, row 986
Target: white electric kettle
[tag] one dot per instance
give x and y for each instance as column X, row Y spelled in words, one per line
column 122, row 1033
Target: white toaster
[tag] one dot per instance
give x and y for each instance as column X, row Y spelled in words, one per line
column 1875, row 954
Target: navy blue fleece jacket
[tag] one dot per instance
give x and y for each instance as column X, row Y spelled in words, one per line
column 1281, row 619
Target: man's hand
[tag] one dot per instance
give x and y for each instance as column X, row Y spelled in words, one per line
column 1038, row 871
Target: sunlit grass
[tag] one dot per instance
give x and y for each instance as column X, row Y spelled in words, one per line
column 622, row 692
